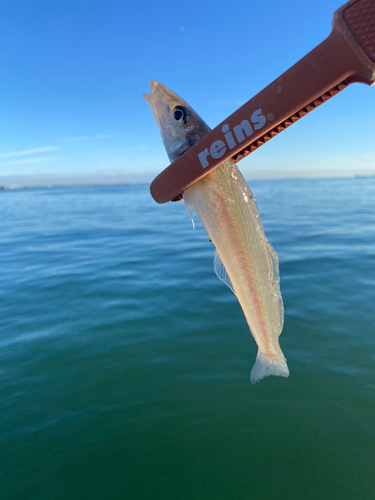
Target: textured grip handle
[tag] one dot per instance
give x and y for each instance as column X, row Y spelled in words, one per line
column 360, row 20
column 356, row 22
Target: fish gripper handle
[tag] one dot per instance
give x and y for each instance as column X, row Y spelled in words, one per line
column 345, row 57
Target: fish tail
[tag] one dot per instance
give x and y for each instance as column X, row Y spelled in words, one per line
column 267, row 366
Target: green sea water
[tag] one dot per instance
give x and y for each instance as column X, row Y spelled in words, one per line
column 124, row 361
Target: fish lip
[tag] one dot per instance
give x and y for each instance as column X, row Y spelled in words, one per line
column 153, row 85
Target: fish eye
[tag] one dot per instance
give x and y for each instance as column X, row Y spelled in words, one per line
column 181, row 115
column 178, row 114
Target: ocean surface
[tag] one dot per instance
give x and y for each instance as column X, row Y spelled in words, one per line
column 124, row 361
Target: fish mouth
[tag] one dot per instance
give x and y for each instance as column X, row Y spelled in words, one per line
column 152, row 100
column 160, row 99
column 153, row 85
column 159, row 93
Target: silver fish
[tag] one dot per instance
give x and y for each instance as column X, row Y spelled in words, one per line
column 244, row 259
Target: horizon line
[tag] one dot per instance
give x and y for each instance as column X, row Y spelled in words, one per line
column 85, row 182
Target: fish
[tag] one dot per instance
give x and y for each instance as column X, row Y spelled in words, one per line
column 244, row 259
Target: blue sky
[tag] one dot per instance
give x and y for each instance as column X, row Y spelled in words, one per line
column 72, row 74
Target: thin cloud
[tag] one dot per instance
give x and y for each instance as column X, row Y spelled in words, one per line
column 89, row 137
column 28, row 151
column 28, row 160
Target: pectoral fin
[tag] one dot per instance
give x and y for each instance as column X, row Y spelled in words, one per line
column 189, row 207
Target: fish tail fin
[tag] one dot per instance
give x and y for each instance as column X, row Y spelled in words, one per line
column 267, row 366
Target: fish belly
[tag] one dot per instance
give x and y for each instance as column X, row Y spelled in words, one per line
column 226, row 207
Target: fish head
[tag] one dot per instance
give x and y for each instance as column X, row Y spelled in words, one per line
column 180, row 126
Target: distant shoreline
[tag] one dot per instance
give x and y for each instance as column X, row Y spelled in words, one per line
column 6, row 187
column 41, row 181
column 11, row 183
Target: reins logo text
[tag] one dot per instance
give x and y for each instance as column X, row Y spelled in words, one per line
column 218, row 148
